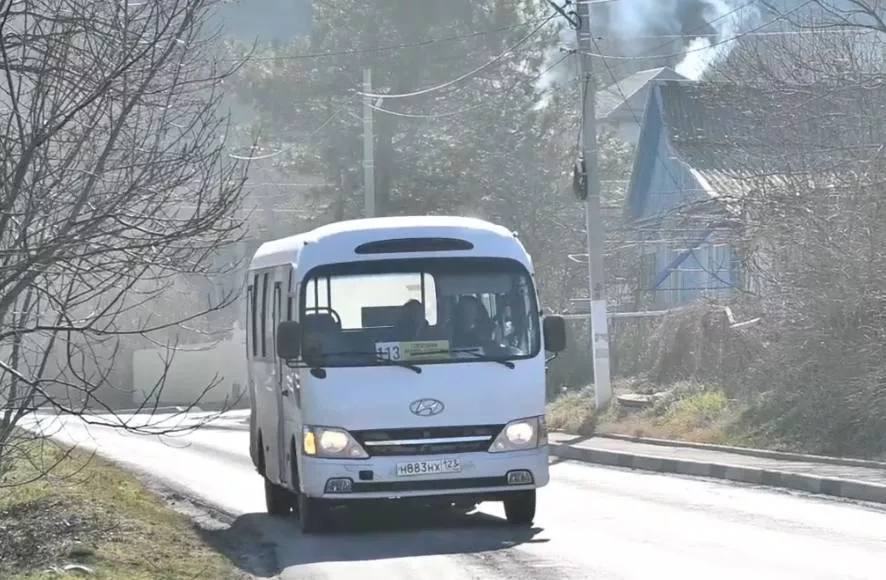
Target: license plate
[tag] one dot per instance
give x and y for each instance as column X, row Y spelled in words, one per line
column 428, row 467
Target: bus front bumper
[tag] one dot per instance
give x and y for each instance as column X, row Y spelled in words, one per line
column 479, row 475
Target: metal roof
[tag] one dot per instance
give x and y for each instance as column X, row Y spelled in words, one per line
column 739, row 138
column 611, row 99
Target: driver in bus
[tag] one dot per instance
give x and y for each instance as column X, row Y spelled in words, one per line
column 412, row 324
column 473, row 326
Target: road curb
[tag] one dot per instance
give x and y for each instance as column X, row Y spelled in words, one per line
column 149, row 410
column 749, row 451
column 225, row 427
column 845, row 488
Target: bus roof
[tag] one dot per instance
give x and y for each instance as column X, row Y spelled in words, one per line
column 338, row 242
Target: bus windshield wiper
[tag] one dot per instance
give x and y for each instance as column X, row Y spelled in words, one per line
column 473, row 352
column 378, row 358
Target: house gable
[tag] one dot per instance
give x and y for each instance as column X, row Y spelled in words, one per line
column 660, row 180
column 681, row 257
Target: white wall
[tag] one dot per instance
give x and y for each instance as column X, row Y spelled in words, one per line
column 193, row 368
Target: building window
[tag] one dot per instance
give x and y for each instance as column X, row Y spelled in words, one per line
column 736, row 271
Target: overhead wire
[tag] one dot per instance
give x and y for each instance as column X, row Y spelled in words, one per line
column 310, row 136
column 392, row 47
column 617, row 84
column 624, row 98
column 487, row 103
column 708, row 23
column 466, row 76
column 426, row 116
column 758, row 33
column 710, row 45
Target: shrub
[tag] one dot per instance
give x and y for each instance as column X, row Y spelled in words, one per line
column 573, row 413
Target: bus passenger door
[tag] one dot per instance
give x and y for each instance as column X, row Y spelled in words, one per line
column 279, row 386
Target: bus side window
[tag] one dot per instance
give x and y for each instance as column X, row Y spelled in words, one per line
column 249, row 322
column 252, row 316
column 276, row 315
column 289, row 292
column 265, row 313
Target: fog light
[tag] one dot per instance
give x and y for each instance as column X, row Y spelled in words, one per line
column 520, row 477
column 339, row 485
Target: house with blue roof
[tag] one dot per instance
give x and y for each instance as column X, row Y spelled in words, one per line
column 621, row 105
column 714, row 159
column 679, row 197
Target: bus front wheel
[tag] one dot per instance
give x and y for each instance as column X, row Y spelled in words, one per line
column 520, row 508
column 278, row 499
column 313, row 514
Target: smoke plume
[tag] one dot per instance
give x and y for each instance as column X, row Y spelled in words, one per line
column 689, row 35
column 701, row 31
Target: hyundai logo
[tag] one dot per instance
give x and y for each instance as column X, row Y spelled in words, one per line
column 426, row 407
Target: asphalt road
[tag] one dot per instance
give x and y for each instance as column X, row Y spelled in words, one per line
column 592, row 522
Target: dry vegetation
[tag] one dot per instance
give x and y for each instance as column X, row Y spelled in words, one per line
column 92, row 514
column 573, row 413
column 688, row 411
column 806, row 142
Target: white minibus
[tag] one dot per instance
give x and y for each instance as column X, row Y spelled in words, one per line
column 398, row 358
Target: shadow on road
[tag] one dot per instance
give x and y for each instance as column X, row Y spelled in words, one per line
column 266, row 545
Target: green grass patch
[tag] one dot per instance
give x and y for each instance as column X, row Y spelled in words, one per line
column 689, row 412
column 573, row 413
column 90, row 512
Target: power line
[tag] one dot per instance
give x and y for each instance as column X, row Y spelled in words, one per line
column 506, row 92
column 555, row 65
column 689, row 36
column 633, row 113
column 723, row 16
column 428, row 116
column 392, row 47
column 285, row 149
column 711, row 44
column 468, row 74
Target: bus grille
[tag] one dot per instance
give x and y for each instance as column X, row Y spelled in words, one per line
column 428, row 440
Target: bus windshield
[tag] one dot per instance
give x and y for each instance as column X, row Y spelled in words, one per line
column 418, row 311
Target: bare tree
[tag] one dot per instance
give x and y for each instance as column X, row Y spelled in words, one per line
column 114, row 184
column 814, row 235
column 829, row 14
column 792, row 128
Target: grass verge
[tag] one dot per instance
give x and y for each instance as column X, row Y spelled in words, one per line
column 688, row 412
column 573, row 413
column 701, row 416
column 100, row 518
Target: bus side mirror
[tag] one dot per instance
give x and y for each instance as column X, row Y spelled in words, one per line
column 555, row 333
column 288, row 340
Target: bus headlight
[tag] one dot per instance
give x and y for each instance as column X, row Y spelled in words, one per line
column 521, row 434
column 330, row 442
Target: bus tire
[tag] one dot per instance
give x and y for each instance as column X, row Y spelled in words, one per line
column 313, row 514
column 278, row 499
column 520, row 508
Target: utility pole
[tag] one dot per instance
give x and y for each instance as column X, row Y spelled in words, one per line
column 368, row 148
column 593, row 219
